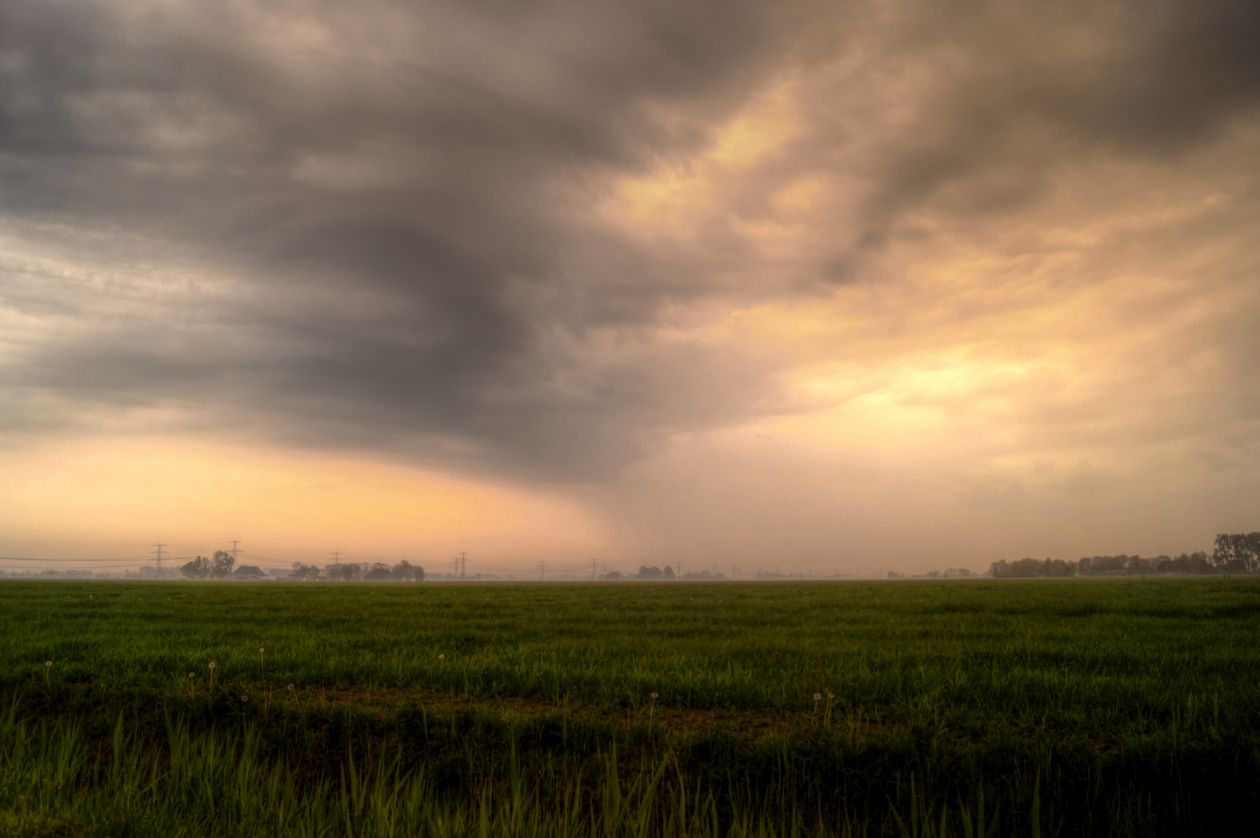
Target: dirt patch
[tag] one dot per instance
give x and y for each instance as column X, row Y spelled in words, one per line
column 750, row 725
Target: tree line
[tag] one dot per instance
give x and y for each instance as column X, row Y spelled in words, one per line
column 219, row 566
column 223, row 564
column 1232, row 553
column 403, row 571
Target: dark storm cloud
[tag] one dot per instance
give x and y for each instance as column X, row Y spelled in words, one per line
column 1010, row 97
column 404, row 226
column 397, row 199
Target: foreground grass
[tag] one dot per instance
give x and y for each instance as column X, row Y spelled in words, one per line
column 1104, row 707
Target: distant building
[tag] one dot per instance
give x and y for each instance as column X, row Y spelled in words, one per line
column 249, row 571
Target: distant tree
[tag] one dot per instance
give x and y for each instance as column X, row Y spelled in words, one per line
column 1108, row 565
column 1029, row 567
column 652, row 572
column 703, row 575
column 304, row 571
column 1237, row 552
column 379, row 572
column 344, row 572
column 1060, row 567
column 221, row 565
column 198, row 568
column 405, row 571
column 1196, row 562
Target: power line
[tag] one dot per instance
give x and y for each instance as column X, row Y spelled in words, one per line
column 63, row 569
column 57, row 559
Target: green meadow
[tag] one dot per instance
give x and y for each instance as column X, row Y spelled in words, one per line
column 968, row 708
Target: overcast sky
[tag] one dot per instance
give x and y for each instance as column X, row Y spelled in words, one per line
column 841, row 287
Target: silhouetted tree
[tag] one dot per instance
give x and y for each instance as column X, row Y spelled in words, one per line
column 221, row 565
column 1237, row 552
column 380, row 572
column 405, row 571
column 1029, row 567
column 1111, row 565
column 344, row 572
column 1196, row 562
column 654, row 572
column 198, row 568
column 304, row 571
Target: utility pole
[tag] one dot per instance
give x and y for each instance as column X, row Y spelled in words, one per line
column 542, row 570
column 158, row 552
column 235, row 549
column 336, row 558
column 594, row 570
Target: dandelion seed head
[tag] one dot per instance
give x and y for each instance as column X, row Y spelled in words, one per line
column 261, row 650
column 654, row 696
column 213, row 664
column 47, row 664
column 817, row 696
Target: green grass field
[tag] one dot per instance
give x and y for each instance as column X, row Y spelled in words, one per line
column 1072, row 707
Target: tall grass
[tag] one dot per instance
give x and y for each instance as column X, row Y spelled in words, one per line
column 220, row 783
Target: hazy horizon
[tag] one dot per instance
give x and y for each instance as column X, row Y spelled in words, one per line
column 838, row 288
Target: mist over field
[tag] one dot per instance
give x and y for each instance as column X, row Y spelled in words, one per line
column 828, row 288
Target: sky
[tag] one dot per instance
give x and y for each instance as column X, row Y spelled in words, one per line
column 833, row 288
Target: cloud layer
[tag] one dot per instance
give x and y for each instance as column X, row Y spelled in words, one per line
column 363, row 228
column 522, row 243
